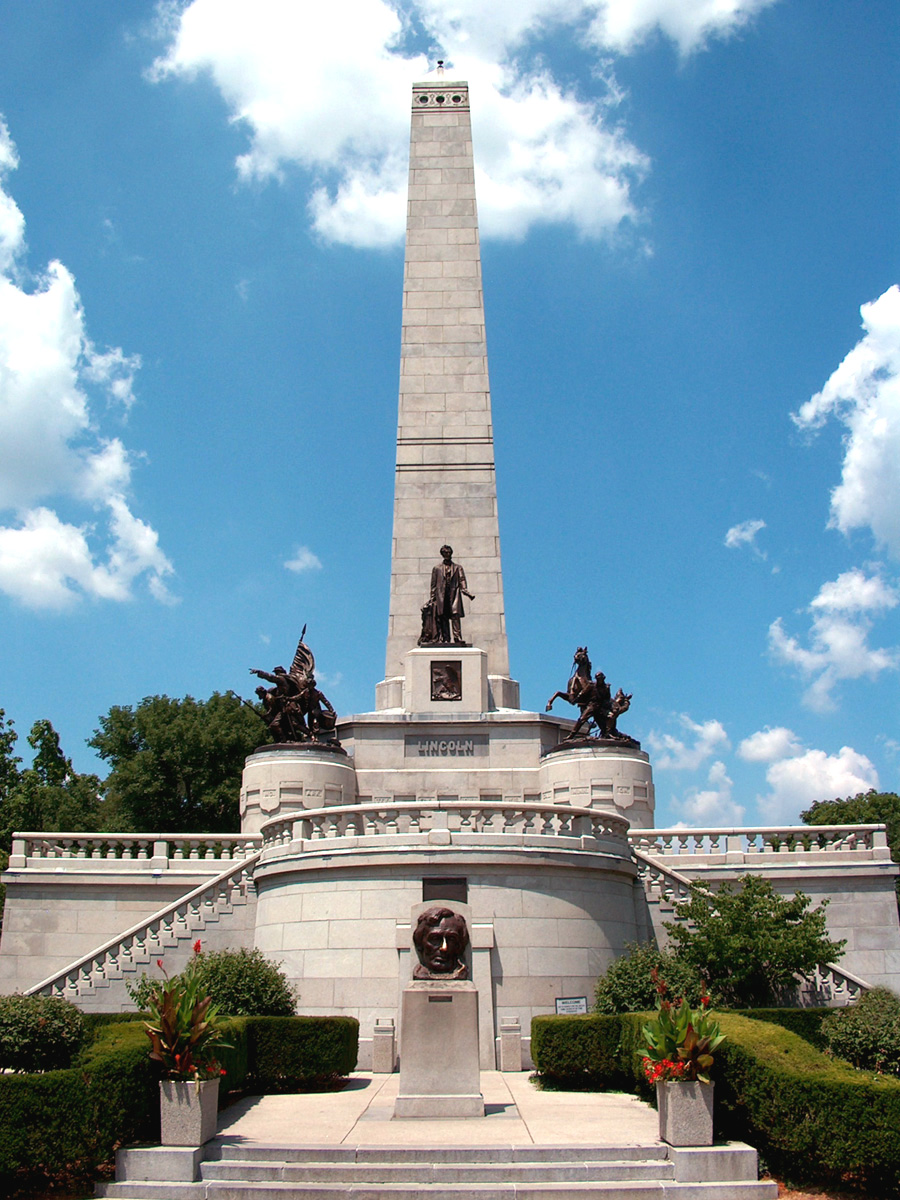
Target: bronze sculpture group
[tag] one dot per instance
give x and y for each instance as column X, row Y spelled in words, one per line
column 293, row 708
column 597, row 706
column 295, row 711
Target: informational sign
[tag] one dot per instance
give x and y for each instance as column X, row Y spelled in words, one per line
column 571, row 1006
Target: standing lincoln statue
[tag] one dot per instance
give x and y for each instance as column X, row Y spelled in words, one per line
column 448, row 586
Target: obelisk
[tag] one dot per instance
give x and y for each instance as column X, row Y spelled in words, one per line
column 445, row 488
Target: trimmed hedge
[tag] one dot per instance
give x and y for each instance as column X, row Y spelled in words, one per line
column 75, row 1118
column 811, row 1117
column 295, row 1053
column 805, row 1022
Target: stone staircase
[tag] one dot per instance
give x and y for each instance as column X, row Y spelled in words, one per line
column 96, row 981
column 441, row 1172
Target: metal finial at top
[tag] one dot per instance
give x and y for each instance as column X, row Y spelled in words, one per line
column 440, row 66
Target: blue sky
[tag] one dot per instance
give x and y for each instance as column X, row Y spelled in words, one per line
column 684, row 208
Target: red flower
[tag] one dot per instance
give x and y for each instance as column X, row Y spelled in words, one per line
column 159, row 963
column 198, row 945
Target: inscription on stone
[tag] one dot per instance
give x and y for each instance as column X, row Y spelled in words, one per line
column 451, row 746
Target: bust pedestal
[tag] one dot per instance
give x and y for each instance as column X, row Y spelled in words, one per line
column 439, row 1071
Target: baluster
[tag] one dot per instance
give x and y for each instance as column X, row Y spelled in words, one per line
column 564, row 827
column 547, row 824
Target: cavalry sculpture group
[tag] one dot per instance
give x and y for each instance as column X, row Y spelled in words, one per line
column 592, row 696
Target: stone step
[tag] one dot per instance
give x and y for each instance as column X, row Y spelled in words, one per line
column 504, row 1153
column 603, row 1190
column 424, row 1173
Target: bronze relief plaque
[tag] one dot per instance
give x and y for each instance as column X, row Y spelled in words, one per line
column 446, row 680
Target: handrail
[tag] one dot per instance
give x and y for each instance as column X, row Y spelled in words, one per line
column 102, row 953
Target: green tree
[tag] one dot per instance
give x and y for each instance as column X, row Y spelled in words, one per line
column 50, row 794
column 9, row 760
column 749, row 944
column 865, row 808
column 176, row 764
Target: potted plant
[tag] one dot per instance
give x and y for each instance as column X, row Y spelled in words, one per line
column 677, row 1058
column 184, row 1033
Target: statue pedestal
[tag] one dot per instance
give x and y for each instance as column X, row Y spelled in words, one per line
column 439, row 1071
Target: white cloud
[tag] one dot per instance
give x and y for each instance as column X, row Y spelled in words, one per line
column 864, row 394
column 326, row 87
column 50, row 440
column 677, row 754
column 303, row 560
column 838, row 638
column 622, row 24
column 767, row 744
column 798, row 782
column 745, row 535
column 713, row 806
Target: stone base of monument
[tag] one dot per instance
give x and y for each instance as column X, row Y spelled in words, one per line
column 439, row 1069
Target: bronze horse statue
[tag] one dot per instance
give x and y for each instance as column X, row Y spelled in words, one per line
column 579, row 684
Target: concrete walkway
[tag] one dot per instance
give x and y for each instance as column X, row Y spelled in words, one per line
column 516, row 1114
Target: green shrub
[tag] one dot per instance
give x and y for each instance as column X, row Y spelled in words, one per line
column 74, row 1119
column 867, row 1033
column 39, row 1033
column 812, row 1118
column 292, row 1053
column 809, row 1115
column 244, row 983
column 627, row 985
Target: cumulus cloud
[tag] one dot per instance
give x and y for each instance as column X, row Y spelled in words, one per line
column 798, row 782
column 767, row 744
column 864, row 395
column 714, row 805
column 326, row 88
column 303, row 560
column 686, row 754
column 842, row 613
column 52, row 382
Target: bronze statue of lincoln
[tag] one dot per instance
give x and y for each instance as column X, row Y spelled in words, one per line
column 448, row 586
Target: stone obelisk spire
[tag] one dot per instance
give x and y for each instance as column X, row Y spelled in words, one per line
column 445, row 488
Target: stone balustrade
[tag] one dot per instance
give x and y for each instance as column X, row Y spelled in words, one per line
column 436, row 822
column 129, row 851
column 745, row 844
column 147, row 940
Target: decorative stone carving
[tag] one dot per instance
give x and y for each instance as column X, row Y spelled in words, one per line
column 440, row 939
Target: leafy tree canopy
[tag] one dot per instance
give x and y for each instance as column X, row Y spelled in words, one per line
column 176, row 764
column 48, row 795
column 866, row 808
column 749, row 944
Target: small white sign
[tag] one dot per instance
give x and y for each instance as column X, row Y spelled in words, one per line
column 571, row 1006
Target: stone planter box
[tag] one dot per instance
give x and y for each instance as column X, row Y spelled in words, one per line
column 685, row 1113
column 188, row 1111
